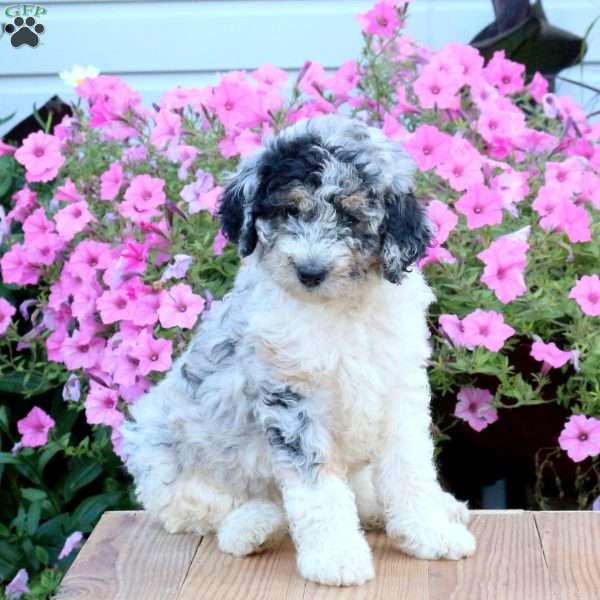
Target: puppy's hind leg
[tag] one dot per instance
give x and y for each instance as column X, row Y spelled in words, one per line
column 370, row 509
column 251, row 528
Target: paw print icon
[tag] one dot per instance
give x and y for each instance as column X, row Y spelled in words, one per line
column 24, row 32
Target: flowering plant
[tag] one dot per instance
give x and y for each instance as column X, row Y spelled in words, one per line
column 111, row 253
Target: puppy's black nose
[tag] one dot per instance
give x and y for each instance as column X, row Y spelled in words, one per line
column 311, row 275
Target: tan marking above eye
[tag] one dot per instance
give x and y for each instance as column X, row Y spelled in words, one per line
column 354, row 201
column 300, row 198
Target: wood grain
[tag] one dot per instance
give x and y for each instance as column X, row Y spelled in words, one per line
column 129, row 557
column 571, row 545
column 520, row 556
column 508, row 563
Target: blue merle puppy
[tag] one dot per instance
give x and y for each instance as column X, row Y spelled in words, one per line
column 302, row 403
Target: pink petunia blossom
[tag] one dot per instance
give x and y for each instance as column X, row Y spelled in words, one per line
column 232, row 101
column 580, row 437
column 146, row 192
column 180, row 307
column 73, row 219
column 7, row 311
column 550, row 354
column 481, row 206
column 25, row 203
column 114, row 305
column 436, row 254
column 344, row 79
column 67, row 192
column 505, row 261
column 586, row 293
column 34, row 428
column 111, row 181
column 504, row 74
column 474, row 407
column 436, row 90
column 381, row 20
column 270, row 76
column 17, row 268
column 443, row 218
column 72, row 542
column 40, row 155
column 538, row 87
column 154, row 354
column 202, row 193
column 428, row 146
column 6, row 149
column 101, row 406
column 461, row 167
column 453, row 327
column 486, row 328
column 82, row 350
column 17, row 586
column 219, row 243
column 167, row 130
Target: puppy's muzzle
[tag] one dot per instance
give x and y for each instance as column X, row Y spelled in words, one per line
column 311, row 275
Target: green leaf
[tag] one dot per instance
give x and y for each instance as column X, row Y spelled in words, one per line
column 9, row 459
column 81, row 473
column 8, row 118
column 30, row 383
column 89, row 511
column 33, row 517
column 33, row 494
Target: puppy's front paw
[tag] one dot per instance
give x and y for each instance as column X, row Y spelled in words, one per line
column 434, row 539
column 456, row 510
column 337, row 563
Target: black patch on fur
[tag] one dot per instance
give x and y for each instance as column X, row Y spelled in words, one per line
column 223, row 350
column 406, row 234
column 285, row 164
column 283, row 398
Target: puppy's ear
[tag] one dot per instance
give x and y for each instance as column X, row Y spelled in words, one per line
column 237, row 209
column 406, row 235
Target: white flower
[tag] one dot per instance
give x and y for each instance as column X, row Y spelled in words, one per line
column 77, row 73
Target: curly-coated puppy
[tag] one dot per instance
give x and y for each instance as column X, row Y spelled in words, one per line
column 302, row 402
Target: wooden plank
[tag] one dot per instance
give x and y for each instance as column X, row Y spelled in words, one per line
column 508, row 564
column 571, row 544
column 274, row 575
column 129, row 557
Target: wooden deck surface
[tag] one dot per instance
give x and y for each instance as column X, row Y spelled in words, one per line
column 521, row 555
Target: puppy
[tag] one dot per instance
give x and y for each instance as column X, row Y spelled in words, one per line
column 302, row 403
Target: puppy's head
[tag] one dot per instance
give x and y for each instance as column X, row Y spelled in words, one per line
column 325, row 204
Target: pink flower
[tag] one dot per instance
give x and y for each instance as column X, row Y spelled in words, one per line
column 67, row 192
column 73, row 219
column 428, row 146
column 167, row 130
column 538, row 87
column 435, row 90
column 71, row 543
column 146, row 192
column 6, row 149
column 154, row 354
column 17, row 586
column 41, row 157
column 381, row 20
column 454, row 329
column 504, row 74
column 101, row 406
column 436, row 254
column 82, row 350
column 111, row 181
column 474, row 407
column 180, row 307
column 481, row 206
column 344, row 79
column 461, row 167
column 550, row 354
column 17, row 268
column 25, row 202
column 505, row 261
column 7, row 310
column 443, row 218
column 232, row 101
column 200, row 194
column 580, row 437
column 486, row 328
column 114, row 305
column 587, row 294
column 270, row 76
column 35, row 427
column 219, row 243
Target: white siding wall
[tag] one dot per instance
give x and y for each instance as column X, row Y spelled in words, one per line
column 155, row 45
